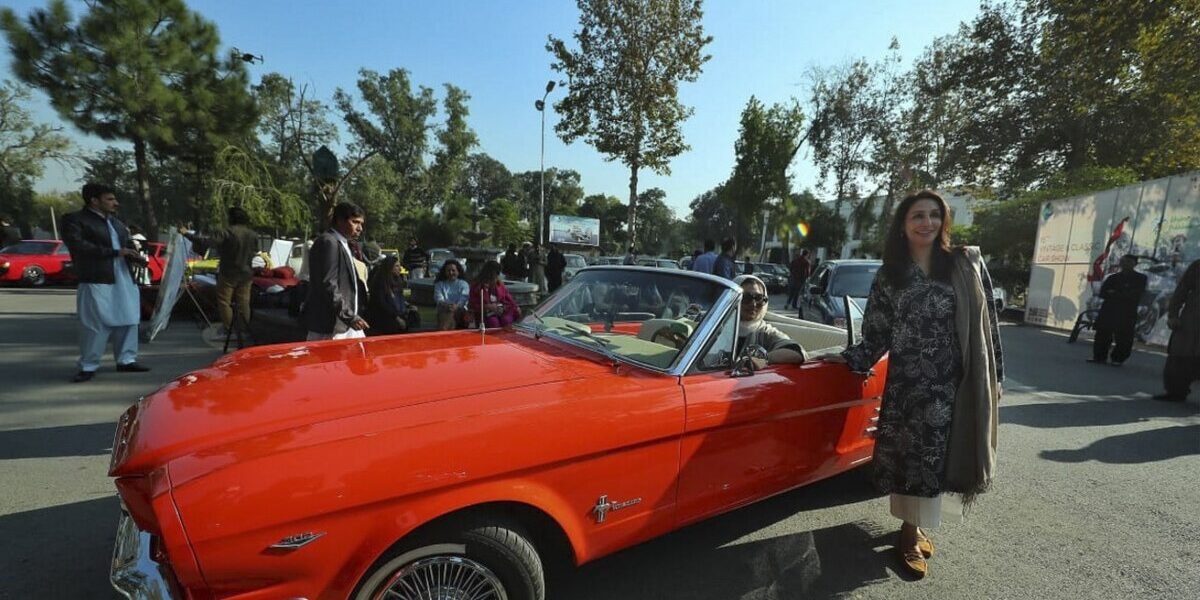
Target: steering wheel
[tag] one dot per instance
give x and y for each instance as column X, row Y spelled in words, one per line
column 673, row 338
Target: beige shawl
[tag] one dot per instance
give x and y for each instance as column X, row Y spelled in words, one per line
column 971, row 453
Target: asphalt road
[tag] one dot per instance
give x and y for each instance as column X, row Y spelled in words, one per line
column 1098, row 493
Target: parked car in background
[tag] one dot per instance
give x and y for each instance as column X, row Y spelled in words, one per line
column 35, row 262
column 775, row 282
column 386, row 467
column 38, row 262
column 575, row 262
column 658, row 263
column 821, row 302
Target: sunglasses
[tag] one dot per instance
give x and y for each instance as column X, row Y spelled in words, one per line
column 754, row 298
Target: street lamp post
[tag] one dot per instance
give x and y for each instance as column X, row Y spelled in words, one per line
column 541, row 107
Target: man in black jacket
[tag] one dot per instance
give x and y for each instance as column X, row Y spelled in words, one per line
column 107, row 300
column 337, row 292
column 236, row 245
column 556, row 264
column 1118, row 315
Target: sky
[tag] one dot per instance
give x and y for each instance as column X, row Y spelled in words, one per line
column 496, row 52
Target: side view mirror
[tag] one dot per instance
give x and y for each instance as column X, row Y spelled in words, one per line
column 752, row 358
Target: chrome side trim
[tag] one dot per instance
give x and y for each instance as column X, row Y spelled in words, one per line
column 134, row 574
column 299, row 540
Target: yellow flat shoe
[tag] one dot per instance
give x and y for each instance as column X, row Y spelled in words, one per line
column 914, row 563
column 924, row 544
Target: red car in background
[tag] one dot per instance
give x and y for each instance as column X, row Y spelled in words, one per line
column 35, row 262
column 38, row 262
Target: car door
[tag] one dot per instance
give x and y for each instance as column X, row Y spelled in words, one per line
column 755, row 435
column 809, row 302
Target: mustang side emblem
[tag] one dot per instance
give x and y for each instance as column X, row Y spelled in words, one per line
column 299, row 540
column 603, row 506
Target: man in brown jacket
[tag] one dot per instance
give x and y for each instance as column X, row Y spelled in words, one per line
column 1183, row 351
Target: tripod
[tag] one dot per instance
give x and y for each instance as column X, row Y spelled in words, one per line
column 237, row 327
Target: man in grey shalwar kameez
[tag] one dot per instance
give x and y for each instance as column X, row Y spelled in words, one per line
column 107, row 300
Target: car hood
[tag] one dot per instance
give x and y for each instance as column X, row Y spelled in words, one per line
column 263, row 390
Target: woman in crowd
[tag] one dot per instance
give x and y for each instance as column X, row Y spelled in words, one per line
column 930, row 308
column 387, row 311
column 489, row 296
column 450, row 293
column 753, row 330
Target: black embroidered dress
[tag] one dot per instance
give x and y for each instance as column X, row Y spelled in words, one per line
column 915, row 324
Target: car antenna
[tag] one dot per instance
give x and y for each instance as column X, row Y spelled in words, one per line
column 482, row 323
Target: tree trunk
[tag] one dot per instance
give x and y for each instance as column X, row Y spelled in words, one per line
column 633, row 181
column 143, row 184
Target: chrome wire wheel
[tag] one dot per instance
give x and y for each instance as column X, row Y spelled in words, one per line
column 443, row 578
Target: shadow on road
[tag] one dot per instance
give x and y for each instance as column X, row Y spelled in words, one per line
column 34, row 545
column 71, row 440
column 1134, row 448
column 1053, row 366
column 1092, row 413
column 705, row 561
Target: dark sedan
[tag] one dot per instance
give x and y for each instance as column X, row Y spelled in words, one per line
column 821, row 302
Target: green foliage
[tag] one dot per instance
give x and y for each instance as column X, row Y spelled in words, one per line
column 611, row 213
column 847, row 108
column 456, row 139
column 485, row 180
column 713, row 217
column 660, row 235
column 25, row 146
column 624, row 81
column 504, row 224
column 564, row 190
column 764, row 149
column 241, row 179
column 144, row 71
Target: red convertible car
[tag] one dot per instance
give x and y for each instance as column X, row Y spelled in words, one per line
column 462, row 464
column 38, row 262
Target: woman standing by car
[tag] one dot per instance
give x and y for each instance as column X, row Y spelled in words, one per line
column 930, row 307
column 450, row 293
column 489, row 296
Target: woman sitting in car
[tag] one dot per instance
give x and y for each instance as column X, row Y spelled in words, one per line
column 753, row 330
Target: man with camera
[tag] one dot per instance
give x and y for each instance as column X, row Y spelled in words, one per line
column 107, row 300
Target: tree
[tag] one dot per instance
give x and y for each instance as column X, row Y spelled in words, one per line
column 290, row 125
column 485, row 180
column 624, row 81
column 241, row 179
column 764, row 149
column 505, row 225
column 143, row 71
column 713, row 217
column 25, row 146
column 846, row 113
column 611, row 213
column 456, row 139
column 395, row 125
column 658, row 223
column 563, row 193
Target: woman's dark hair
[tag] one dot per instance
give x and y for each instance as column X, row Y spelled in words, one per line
column 487, row 273
column 381, row 277
column 896, row 257
column 441, row 276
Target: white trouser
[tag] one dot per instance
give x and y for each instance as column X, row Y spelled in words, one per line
column 918, row 510
column 93, row 339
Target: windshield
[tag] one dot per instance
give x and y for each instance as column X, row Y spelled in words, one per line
column 644, row 317
column 575, row 260
column 29, row 248
column 853, row 280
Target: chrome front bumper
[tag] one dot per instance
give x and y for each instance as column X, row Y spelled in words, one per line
column 134, row 572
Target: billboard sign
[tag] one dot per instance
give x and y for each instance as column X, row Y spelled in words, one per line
column 580, row 231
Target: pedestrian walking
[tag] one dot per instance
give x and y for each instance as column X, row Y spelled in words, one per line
column 1183, row 350
column 800, row 269
column 724, row 266
column 107, row 301
column 337, row 292
column 537, row 267
column 930, row 308
column 1117, row 320
column 236, row 244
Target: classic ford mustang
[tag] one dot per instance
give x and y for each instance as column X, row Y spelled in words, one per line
column 463, row 464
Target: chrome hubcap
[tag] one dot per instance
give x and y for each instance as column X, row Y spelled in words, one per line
column 443, row 578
